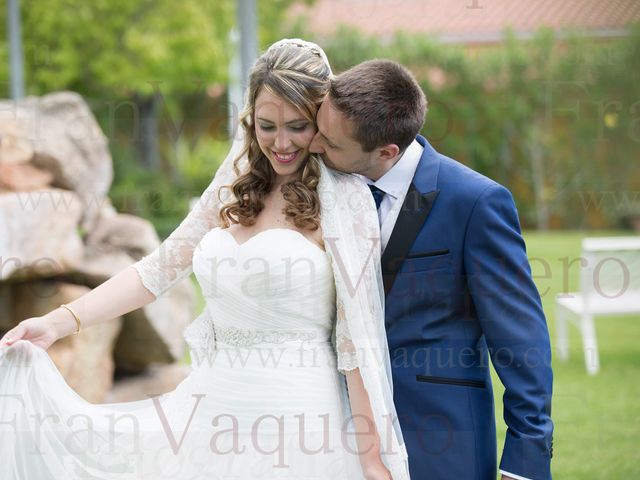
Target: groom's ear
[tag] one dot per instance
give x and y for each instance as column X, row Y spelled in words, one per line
column 388, row 152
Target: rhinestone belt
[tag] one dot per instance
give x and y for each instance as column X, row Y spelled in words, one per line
column 247, row 338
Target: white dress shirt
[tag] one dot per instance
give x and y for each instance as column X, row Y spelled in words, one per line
column 395, row 184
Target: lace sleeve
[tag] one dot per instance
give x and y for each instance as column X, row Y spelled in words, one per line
column 172, row 260
column 345, row 349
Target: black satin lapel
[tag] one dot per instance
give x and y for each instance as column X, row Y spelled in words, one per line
column 414, row 212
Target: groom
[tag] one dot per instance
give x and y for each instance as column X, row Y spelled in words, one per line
column 458, row 285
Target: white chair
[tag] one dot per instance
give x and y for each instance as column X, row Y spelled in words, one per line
column 609, row 285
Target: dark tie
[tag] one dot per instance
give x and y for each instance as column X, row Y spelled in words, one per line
column 378, row 195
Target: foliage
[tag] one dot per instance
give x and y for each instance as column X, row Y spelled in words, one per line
column 271, row 17
column 118, row 47
column 153, row 195
column 557, row 120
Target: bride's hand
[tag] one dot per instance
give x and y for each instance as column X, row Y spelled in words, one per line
column 376, row 471
column 38, row 330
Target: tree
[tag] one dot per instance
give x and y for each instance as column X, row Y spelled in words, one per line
column 136, row 54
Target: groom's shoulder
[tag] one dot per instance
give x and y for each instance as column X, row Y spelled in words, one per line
column 458, row 178
column 454, row 171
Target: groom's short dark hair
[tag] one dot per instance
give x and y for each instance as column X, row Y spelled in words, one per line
column 383, row 100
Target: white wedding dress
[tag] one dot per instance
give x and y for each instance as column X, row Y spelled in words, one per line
column 265, row 397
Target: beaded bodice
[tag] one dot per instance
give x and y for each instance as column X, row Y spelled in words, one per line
column 276, row 287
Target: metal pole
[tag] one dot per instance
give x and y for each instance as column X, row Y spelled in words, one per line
column 247, row 20
column 15, row 50
column 235, row 84
column 244, row 42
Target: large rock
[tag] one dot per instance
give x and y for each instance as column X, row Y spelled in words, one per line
column 85, row 359
column 154, row 333
column 66, row 141
column 147, row 336
column 39, row 233
column 158, row 326
column 55, row 172
column 14, row 147
column 115, row 231
column 23, row 177
column 7, row 321
column 116, row 242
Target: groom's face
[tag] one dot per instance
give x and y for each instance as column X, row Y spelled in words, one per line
column 335, row 142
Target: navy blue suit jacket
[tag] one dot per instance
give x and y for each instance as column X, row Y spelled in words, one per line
column 459, row 295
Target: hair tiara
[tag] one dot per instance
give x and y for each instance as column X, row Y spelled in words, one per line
column 298, row 42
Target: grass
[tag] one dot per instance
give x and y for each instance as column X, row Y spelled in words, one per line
column 597, row 418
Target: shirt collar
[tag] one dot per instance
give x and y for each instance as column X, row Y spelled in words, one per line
column 397, row 179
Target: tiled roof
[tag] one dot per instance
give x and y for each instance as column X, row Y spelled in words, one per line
column 469, row 20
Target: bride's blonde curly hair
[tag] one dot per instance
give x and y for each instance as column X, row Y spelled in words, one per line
column 299, row 74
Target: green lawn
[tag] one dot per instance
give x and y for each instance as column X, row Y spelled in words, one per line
column 597, row 419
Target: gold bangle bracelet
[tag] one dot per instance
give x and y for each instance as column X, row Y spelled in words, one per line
column 74, row 316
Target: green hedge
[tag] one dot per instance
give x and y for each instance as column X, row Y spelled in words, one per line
column 557, row 120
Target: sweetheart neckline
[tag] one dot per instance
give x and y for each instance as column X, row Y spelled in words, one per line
column 240, row 245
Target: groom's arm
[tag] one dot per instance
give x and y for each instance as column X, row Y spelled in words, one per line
column 509, row 309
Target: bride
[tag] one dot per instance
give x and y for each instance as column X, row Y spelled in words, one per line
column 290, row 369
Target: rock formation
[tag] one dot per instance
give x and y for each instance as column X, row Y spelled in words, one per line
column 60, row 237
